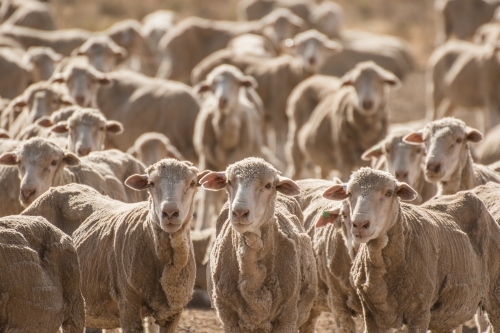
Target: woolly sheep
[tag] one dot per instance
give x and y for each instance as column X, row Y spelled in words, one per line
column 42, row 127
column 300, row 104
column 42, row 164
column 39, row 276
column 9, row 183
column 17, row 75
column 251, row 44
column 151, row 147
column 448, row 161
column 348, row 122
column 42, row 60
column 183, row 46
column 386, row 272
column 249, row 10
column 102, row 53
column 252, row 285
column 158, row 282
column 404, row 161
column 310, row 50
column 31, row 14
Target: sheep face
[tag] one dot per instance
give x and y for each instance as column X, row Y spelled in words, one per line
column 38, row 161
column 370, row 83
column 87, row 130
column 172, row 185
column 404, row 161
column 102, row 52
column 447, row 144
column 82, row 83
column 281, row 24
column 373, row 198
column 313, row 48
column 252, row 185
column 42, row 60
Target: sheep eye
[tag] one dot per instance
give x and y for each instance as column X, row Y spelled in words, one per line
column 459, row 140
column 193, row 183
column 54, row 162
column 387, row 151
column 101, row 128
column 228, row 182
column 268, row 186
column 151, row 183
column 388, row 193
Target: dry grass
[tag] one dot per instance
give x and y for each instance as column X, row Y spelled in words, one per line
column 411, row 19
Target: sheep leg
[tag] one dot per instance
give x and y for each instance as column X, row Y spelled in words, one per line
column 130, row 318
column 482, row 323
column 171, row 325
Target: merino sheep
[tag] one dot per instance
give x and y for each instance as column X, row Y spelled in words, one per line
column 42, row 127
column 9, row 183
column 151, row 147
column 250, row 10
column 31, row 14
column 87, row 129
column 310, row 49
column 347, row 123
column 300, row 104
column 463, row 74
column 42, row 164
column 17, row 75
column 488, row 151
column 121, row 285
column 448, row 162
column 102, row 52
column 406, row 250
column 489, row 194
column 228, row 129
column 327, row 17
column 404, row 161
column 39, row 278
column 42, row 60
column 253, row 286
column 193, row 39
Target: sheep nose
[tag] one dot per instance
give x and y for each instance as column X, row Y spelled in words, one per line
column 401, row 175
column 222, row 102
column 365, row 224
column 83, row 151
column 170, row 212
column 434, row 167
column 28, row 193
column 241, row 212
column 367, row 104
column 312, row 61
column 80, row 100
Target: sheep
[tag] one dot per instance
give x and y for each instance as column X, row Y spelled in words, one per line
column 448, row 160
column 489, row 193
column 462, row 74
column 461, row 18
column 87, row 129
column 42, row 60
column 102, row 53
column 488, row 33
column 38, row 100
column 193, row 39
column 42, row 164
column 404, row 161
column 327, row 224
column 252, row 285
column 300, row 104
column 488, row 151
column 31, row 14
column 311, row 48
column 156, row 24
column 17, row 75
column 158, row 282
column 40, row 278
column 43, row 126
column 249, row 10
column 151, row 147
column 327, row 17
column 251, row 44
column 398, row 256
column 9, row 183
column 348, row 122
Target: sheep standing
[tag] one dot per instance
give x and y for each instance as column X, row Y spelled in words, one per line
column 121, row 283
column 151, row 147
column 18, row 74
column 406, row 251
column 254, row 286
column 448, row 162
column 348, row 122
column 39, row 278
column 404, row 161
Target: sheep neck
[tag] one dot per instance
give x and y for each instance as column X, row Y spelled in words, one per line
column 255, row 252
column 463, row 178
column 377, row 260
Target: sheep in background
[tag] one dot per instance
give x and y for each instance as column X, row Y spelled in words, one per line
column 488, row 151
column 151, row 147
column 251, row 44
column 43, row 126
column 253, row 286
column 348, row 122
column 43, row 61
column 404, row 161
column 448, row 161
column 102, row 53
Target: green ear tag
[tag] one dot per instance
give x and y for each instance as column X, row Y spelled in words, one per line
column 326, row 214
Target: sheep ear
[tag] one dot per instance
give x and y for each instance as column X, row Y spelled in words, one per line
column 70, row 159
column 8, row 159
column 390, row 79
column 373, row 152
column 214, row 181
column 336, row 192
column 113, row 126
column 414, row 138
column 4, row 135
column 347, row 80
column 138, row 182
column 333, row 47
column 201, row 175
column 67, row 100
column 329, row 216
column 131, row 151
column 44, row 122
column 60, row 127
column 201, row 87
column 336, row 180
column 57, row 78
column 249, row 82
column 406, row 192
column 19, row 103
column 287, row 186
column 102, row 79
column 473, row 135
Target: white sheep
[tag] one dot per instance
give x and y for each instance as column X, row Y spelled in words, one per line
column 151, row 147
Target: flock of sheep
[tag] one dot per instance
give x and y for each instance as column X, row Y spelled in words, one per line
column 106, row 138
